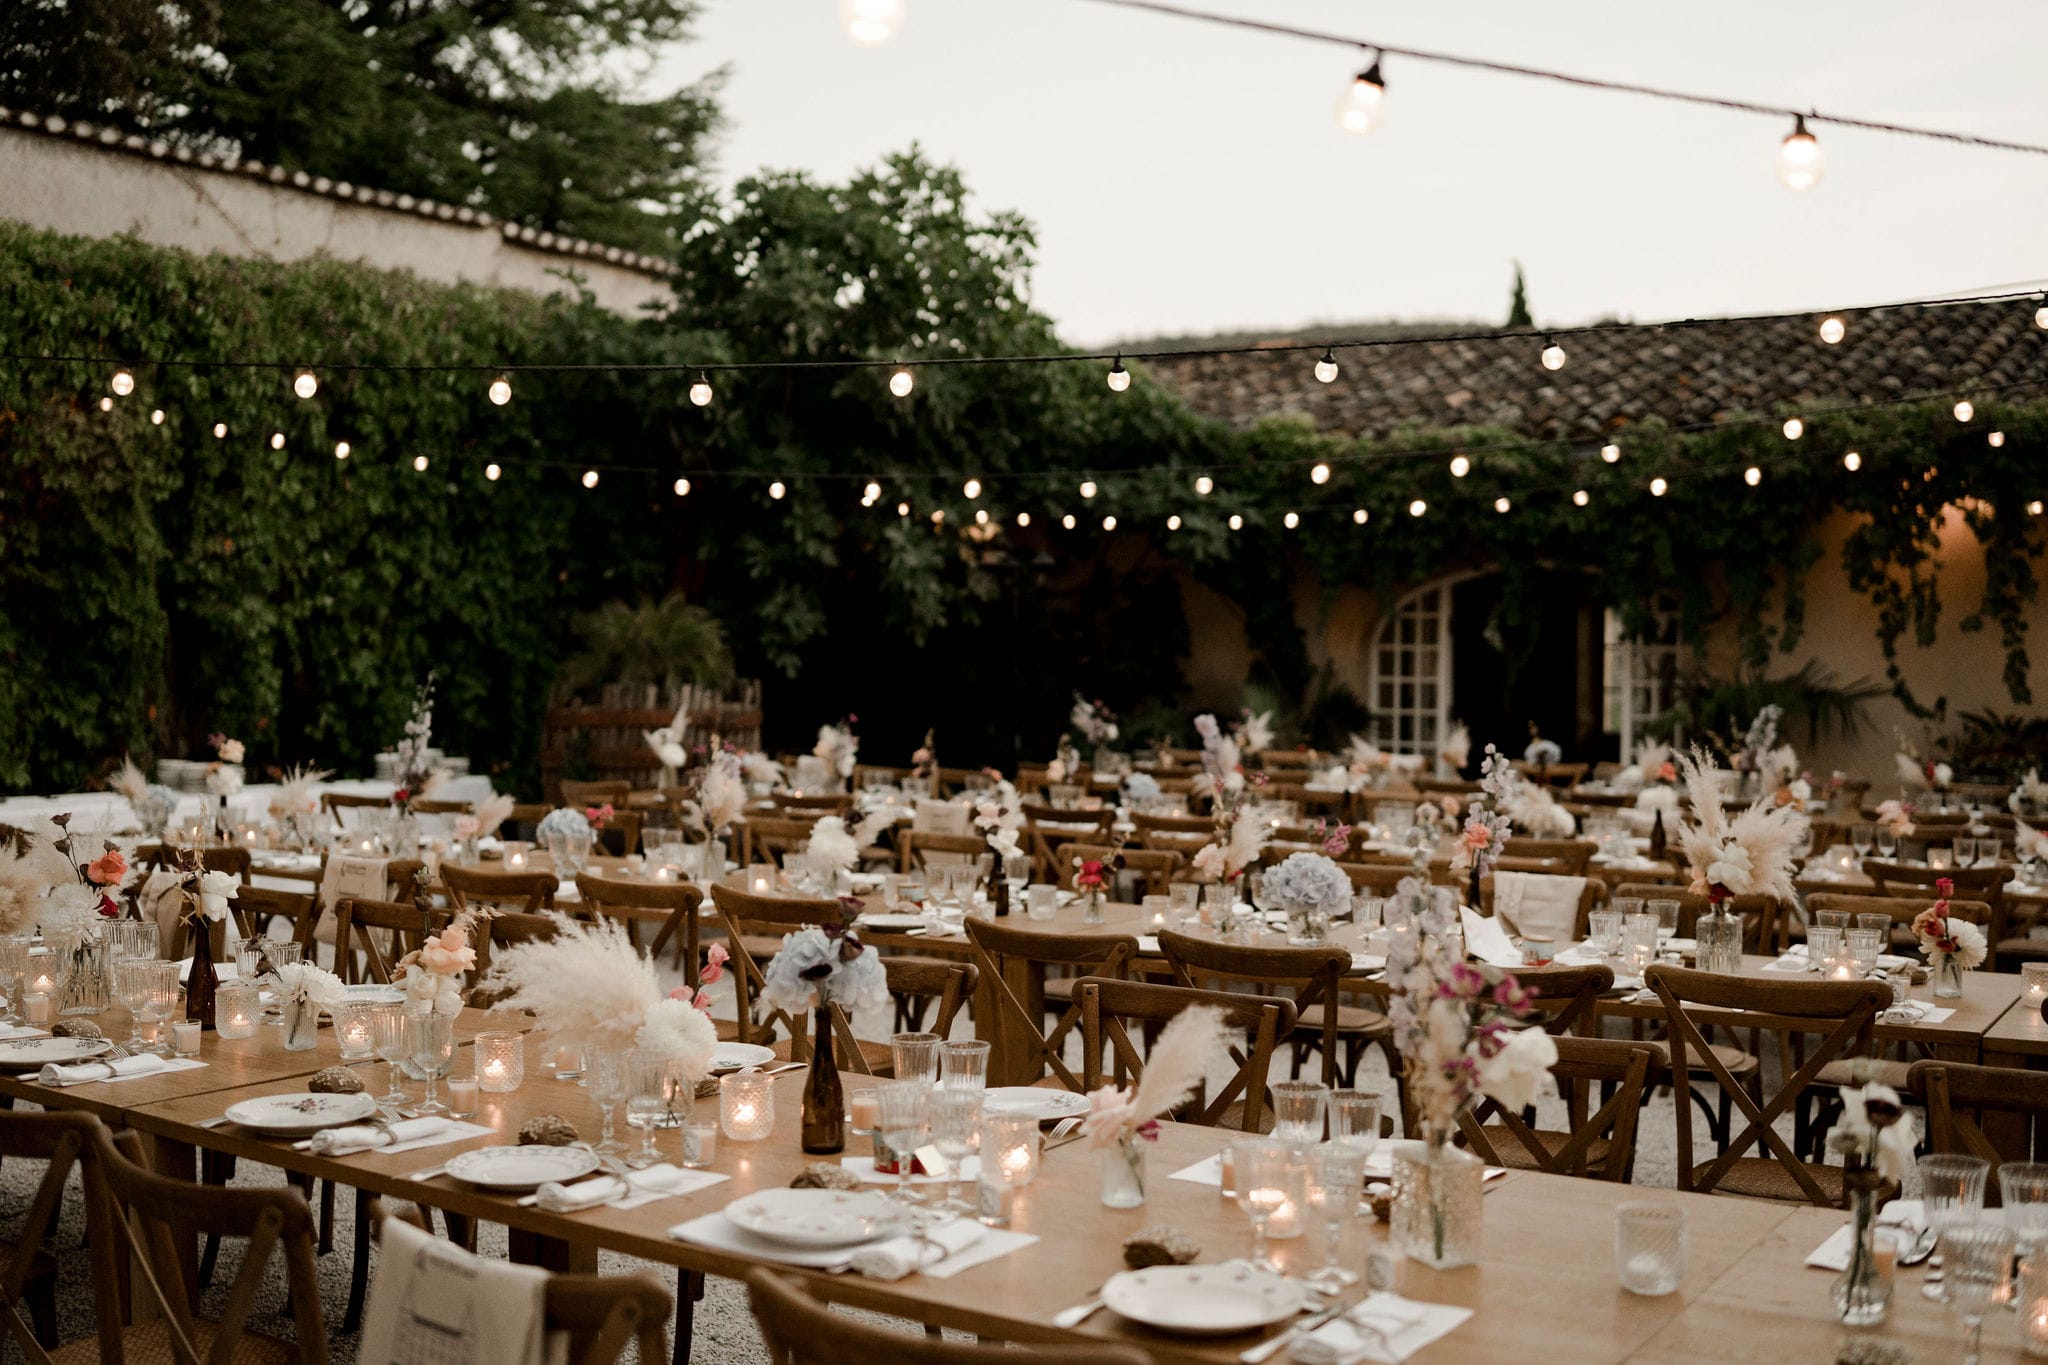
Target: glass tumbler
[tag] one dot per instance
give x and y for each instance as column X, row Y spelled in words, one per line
column 1649, row 1247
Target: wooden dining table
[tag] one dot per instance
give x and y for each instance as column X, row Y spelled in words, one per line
column 1544, row 1286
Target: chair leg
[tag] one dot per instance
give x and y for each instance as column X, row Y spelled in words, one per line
column 215, row 1168
column 42, row 1313
column 359, row 1266
column 326, row 1217
column 689, row 1289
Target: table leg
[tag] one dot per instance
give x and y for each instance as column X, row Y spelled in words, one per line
column 550, row 1253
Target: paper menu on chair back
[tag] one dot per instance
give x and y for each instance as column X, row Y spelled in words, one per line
column 433, row 1303
column 353, row 876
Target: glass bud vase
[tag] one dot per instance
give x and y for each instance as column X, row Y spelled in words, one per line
column 1436, row 1202
column 1719, row 933
column 1862, row 1292
column 301, row 1025
column 1093, row 907
column 83, row 961
column 1123, row 1174
column 1946, row 973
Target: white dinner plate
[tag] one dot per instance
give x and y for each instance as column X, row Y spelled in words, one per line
column 1202, row 1300
column 32, row 1054
column 298, row 1114
column 1037, row 1101
column 522, row 1168
column 892, row 921
column 733, row 1056
column 818, row 1218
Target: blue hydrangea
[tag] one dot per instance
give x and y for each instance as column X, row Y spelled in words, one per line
column 1141, row 787
column 563, row 821
column 1307, row 883
column 159, row 804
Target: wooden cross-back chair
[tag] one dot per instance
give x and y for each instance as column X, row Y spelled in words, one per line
column 1566, row 996
column 382, row 932
column 583, row 795
column 1153, row 869
column 2011, row 937
column 1262, row 1023
column 997, row 946
column 334, row 803
column 918, row 849
column 1376, row 879
column 1574, row 856
column 1766, row 922
column 1842, row 1013
column 754, row 930
column 1957, row 1096
column 232, row 859
column 620, row 836
column 1600, row 1144
column 672, row 907
column 766, row 839
column 949, row 984
column 1048, row 830
column 810, row 808
column 63, row 1142
column 501, row 931
column 255, row 906
column 1313, row 979
column 527, row 893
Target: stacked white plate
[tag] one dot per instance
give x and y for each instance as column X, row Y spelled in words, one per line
column 818, row 1219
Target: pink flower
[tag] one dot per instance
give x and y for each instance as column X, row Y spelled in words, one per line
column 690, row 997
column 108, row 869
column 1478, row 837
column 447, row 953
column 598, row 816
column 1667, row 771
column 715, row 958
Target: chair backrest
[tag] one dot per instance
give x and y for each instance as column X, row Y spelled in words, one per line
column 427, row 805
column 334, row 803
column 620, row 836
column 1566, row 995
column 999, row 945
column 1153, row 868
column 1589, row 896
column 1376, row 879
column 747, row 915
column 1902, row 909
column 951, row 984
column 766, row 839
column 1172, row 824
column 1582, row 1065
column 1310, row 976
column 499, row 931
column 255, row 906
column 1109, row 1007
column 916, row 848
column 382, row 932
column 1957, row 1094
column 1573, row 855
column 673, row 905
column 63, row 1140
column 526, row 892
column 1766, row 923
column 583, row 795
column 798, row 1330
column 1986, row 884
column 229, row 858
column 1842, row 1013
column 809, row 808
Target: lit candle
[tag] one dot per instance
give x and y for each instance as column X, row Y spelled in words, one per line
column 185, row 1037
column 462, row 1097
column 36, row 1008
column 516, row 861
column 44, row 984
column 2036, row 976
column 665, row 873
column 1158, row 922
column 500, row 1061
column 746, row 1106
column 237, row 1005
column 864, row 1110
column 1015, row 1162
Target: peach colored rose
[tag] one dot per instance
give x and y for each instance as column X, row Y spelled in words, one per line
column 715, row 958
column 108, row 869
column 447, row 953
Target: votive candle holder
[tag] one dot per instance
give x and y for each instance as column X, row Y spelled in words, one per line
column 237, row 1009
column 500, row 1061
column 746, row 1106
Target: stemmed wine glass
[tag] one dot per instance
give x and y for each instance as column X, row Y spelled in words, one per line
column 1268, row 1175
column 1336, row 1181
column 1887, row 842
column 903, row 1110
column 387, row 1035
column 607, row 1074
column 956, row 1124
column 1976, row 1262
column 650, row 1095
column 430, row 1046
column 159, row 998
column 132, row 988
column 1860, row 836
column 1355, row 1123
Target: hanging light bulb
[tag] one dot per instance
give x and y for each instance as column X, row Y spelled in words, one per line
column 902, row 509
column 1204, row 485
column 981, row 516
column 2041, row 313
column 902, row 382
column 277, row 440
column 1364, row 102
column 419, row 464
column 871, row 22
column 501, row 391
column 123, row 383
column 1173, row 522
column 1553, row 355
column 1326, row 368
column 1360, row 515
column 776, row 490
column 1320, row 474
column 1794, row 428
column 1067, row 521
column 1800, row 159
column 1752, row 476
column 1460, row 466
column 1994, row 439
column 1109, row 523
column 106, row 404
column 1023, row 518
column 1290, row 521
column 1236, row 522
column 2034, row 508
column 1580, row 497
column 1610, row 452
column 1965, row 410
column 220, row 431
column 1087, row 488
column 682, row 488
column 939, row 516
column 590, row 478
column 1852, row 462
column 156, row 417
column 491, row 472
column 1832, row 329
column 1501, row 504
column 700, row 392
column 1417, row 508
column 971, row 489
column 341, row 450
column 1658, row 487
column 1119, row 377
column 304, row 384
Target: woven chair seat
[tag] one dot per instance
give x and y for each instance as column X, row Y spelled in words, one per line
column 150, row 1344
column 1763, row 1178
column 1353, row 1019
column 1738, row 1061
column 1516, row 1157
column 881, row 1061
column 2021, row 950
column 1884, row 1072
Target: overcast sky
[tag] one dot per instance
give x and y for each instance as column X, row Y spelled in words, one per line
column 1186, row 178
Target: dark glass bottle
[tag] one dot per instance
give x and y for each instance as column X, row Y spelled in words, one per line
column 998, row 888
column 203, row 980
column 1658, row 839
column 824, row 1100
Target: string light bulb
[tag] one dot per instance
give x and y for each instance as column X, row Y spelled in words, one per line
column 1965, row 410
column 500, row 391
column 1580, row 497
column 1360, row 516
column 305, row 384
column 871, row 22
column 1832, row 329
column 2034, row 508
column 1291, row 520
column 902, row 509
column 220, row 431
column 2041, row 313
column 1173, row 522
column 1994, row 439
column 277, row 440
column 981, row 516
column 123, row 383
column 971, row 489
column 1364, row 102
column 156, row 417
column 700, row 392
column 1852, row 462
column 776, row 490
column 902, row 382
column 1320, row 474
column 1610, row 452
column 1794, row 428
column 590, row 478
column 1752, row 476
column 1658, row 488
column 1109, row 523
column 1417, row 508
column 1236, row 522
column 1501, row 504
column 419, row 464
column 1553, row 355
column 1800, row 159
column 1119, row 377
column 491, row 472
column 1067, row 521
column 341, row 450
column 106, row 403
column 1204, row 485
column 938, row 516
column 1460, row 466
column 1326, row 368
column 682, row 488
column 1023, row 518
column 1087, row 488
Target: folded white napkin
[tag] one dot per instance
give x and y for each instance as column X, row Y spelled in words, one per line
column 1148, row 943
column 80, row 1072
column 895, row 1257
column 1487, row 941
column 716, row 1231
column 624, row 1192
column 1905, row 1215
column 363, row 1138
column 1914, row 1012
column 1383, row 1327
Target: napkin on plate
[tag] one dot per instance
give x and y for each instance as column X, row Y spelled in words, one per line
column 1383, row 1327
column 895, row 1257
column 362, row 1137
column 625, row 1192
column 80, row 1072
column 1903, row 1214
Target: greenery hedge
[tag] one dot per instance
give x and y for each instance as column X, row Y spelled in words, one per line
column 157, row 583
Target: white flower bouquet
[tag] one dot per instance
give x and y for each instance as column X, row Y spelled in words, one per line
column 817, row 966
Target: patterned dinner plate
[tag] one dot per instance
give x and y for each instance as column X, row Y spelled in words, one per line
column 293, row 1115
column 818, row 1218
column 1038, row 1101
column 32, row 1054
column 733, row 1056
column 525, row 1167
column 1202, row 1300
column 892, row 920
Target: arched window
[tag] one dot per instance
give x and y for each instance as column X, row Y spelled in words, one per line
column 1410, row 675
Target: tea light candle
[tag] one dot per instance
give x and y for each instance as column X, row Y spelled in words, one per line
column 700, row 1144
column 42, row 984
column 1010, row 1147
column 1158, row 922
column 352, row 1031
column 500, row 1062
column 665, row 873
column 236, row 1008
column 761, row 880
column 746, row 1106
column 1286, row 1221
column 863, row 1110
column 462, row 1097
column 515, row 861
column 2030, row 1288
column 185, row 1037
column 35, row 1007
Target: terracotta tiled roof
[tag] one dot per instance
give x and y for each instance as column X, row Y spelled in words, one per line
column 1689, row 376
